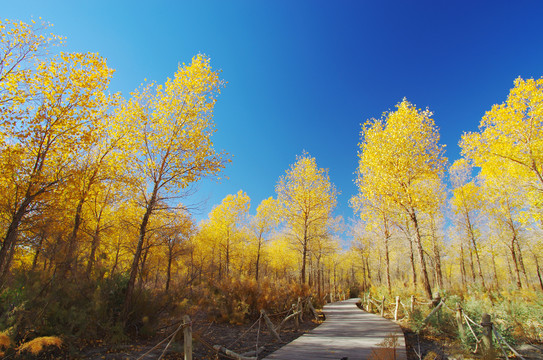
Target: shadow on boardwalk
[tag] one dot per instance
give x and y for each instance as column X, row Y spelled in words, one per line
column 348, row 333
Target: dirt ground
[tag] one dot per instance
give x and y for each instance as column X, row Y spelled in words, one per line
column 247, row 337
column 206, row 334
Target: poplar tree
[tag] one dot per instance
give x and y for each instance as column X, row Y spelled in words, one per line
column 306, row 199
column 400, row 162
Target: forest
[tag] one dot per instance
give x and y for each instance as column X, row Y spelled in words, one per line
column 97, row 242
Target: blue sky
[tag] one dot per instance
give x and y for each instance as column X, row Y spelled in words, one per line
column 303, row 75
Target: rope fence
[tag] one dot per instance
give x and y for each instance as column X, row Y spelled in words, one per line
column 295, row 313
column 486, row 327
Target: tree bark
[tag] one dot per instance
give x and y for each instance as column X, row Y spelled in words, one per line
column 462, row 266
column 437, row 255
column 257, row 265
column 94, row 247
column 418, row 244
column 137, row 255
column 387, row 265
column 475, row 249
column 38, row 250
column 71, row 244
column 169, row 269
column 538, row 269
column 10, row 240
column 304, row 253
column 515, row 263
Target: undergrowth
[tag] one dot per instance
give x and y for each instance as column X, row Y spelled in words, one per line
column 35, row 306
column 516, row 314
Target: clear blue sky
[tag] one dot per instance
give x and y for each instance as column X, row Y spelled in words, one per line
column 303, row 75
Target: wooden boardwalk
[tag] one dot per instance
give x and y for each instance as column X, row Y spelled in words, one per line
column 348, row 333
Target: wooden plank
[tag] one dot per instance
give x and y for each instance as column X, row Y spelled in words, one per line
column 347, row 332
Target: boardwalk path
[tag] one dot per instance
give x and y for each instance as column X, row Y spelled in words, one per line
column 348, row 332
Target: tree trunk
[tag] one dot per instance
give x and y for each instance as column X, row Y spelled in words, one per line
column 257, row 265
column 412, row 260
column 118, row 250
column 418, row 244
column 368, row 269
column 475, row 249
column 304, row 259
column 169, row 269
column 364, row 283
column 227, row 260
column 310, row 272
column 538, row 269
column 137, row 255
column 387, row 263
column 521, row 261
column 71, row 244
column 515, row 263
column 304, row 255
column 472, row 265
column 495, row 270
column 437, row 254
column 462, row 266
column 319, row 290
column 143, row 269
column 10, row 240
column 94, row 247
column 38, row 250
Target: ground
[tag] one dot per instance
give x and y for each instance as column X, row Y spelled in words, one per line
column 238, row 338
column 246, row 337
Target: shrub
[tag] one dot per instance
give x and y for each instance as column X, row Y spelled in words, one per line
column 40, row 345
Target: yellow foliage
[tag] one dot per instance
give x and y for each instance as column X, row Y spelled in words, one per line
column 401, row 159
column 510, row 138
column 37, row 345
column 5, row 342
column 306, row 198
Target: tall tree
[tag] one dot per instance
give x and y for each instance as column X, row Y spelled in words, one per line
column 401, row 160
column 227, row 220
column 306, row 199
column 63, row 99
column 511, row 133
column 466, row 202
column 263, row 222
column 173, row 125
column 505, row 200
column 377, row 216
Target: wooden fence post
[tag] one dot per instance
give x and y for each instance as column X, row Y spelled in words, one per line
column 301, row 309
column 312, row 308
column 270, row 324
column 436, row 309
column 370, row 304
column 460, row 322
column 396, row 310
column 436, row 302
column 383, row 307
column 488, row 348
column 187, row 338
column 296, row 317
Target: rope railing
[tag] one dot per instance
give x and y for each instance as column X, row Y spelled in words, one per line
column 294, row 312
column 169, row 337
column 477, row 340
column 245, row 332
column 486, row 326
column 506, row 343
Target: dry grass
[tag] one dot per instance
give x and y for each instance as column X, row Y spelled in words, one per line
column 5, row 342
column 37, row 345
